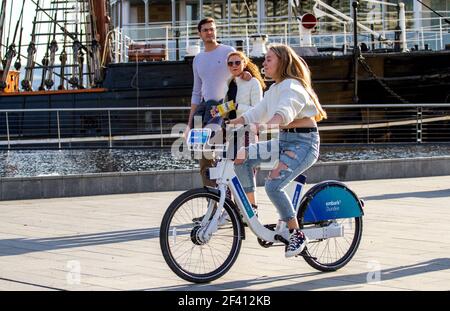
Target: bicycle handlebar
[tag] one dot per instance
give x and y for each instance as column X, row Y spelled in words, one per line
column 206, row 139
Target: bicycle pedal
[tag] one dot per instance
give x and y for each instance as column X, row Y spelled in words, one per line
column 281, row 239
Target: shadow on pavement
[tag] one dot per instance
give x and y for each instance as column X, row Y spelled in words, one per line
column 334, row 282
column 18, row 246
column 444, row 193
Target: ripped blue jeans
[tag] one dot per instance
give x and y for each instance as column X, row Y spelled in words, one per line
column 298, row 151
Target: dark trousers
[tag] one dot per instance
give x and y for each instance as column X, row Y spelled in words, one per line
column 205, row 164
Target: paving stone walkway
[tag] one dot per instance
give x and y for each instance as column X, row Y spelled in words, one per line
column 111, row 243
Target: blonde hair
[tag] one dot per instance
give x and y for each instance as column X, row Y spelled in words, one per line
column 292, row 66
column 249, row 66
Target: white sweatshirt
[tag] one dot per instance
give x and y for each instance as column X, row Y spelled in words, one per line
column 249, row 94
column 288, row 98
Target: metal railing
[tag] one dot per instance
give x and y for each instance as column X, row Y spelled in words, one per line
column 179, row 37
column 160, row 126
column 119, row 46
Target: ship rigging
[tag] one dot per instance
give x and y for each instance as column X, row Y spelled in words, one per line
column 58, row 26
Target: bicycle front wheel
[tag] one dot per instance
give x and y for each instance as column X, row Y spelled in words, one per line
column 190, row 256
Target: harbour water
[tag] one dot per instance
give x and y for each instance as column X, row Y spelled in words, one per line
column 27, row 163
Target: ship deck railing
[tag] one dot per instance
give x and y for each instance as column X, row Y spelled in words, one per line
column 162, row 126
column 179, row 37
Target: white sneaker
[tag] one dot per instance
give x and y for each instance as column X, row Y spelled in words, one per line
column 224, row 219
column 297, row 243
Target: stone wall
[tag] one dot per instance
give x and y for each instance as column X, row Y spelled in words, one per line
column 177, row 180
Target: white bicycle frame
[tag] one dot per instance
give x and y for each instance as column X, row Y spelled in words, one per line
column 225, row 175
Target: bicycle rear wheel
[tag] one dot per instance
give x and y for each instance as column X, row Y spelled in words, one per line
column 188, row 255
column 333, row 253
column 331, row 206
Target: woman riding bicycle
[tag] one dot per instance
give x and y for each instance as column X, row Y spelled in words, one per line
column 292, row 105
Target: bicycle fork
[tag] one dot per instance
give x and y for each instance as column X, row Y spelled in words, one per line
column 211, row 226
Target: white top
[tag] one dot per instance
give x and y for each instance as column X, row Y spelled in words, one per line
column 210, row 74
column 288, row 98
column 249, row 93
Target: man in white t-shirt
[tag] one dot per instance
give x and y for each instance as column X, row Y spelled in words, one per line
column 210, row 79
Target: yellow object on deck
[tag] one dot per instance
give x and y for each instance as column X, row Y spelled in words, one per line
column 12, row 82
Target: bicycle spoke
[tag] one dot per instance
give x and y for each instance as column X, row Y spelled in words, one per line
column 330, row 251
column 188, row 251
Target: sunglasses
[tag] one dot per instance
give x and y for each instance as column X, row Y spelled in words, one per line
column 208, row 29
column 236, row 63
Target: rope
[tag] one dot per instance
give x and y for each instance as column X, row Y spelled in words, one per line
column 440, row 15
column 367, row 68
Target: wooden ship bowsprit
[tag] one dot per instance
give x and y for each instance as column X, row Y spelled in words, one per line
column 83, row 67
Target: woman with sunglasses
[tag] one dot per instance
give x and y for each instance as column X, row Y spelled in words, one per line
column 292, row 106
column 245, row 94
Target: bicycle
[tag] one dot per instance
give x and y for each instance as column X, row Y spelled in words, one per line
column 199, row 250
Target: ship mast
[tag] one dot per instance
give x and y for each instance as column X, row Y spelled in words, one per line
column 18, row 63
column 2, row 22
column 31, row 52
column 63, row 55
column 53, row 49
column 76, row 46
column 44, row 69
column 9, row 30
column 95, row 45
column 102, row 21
column 11, row 53
column 81, row 65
